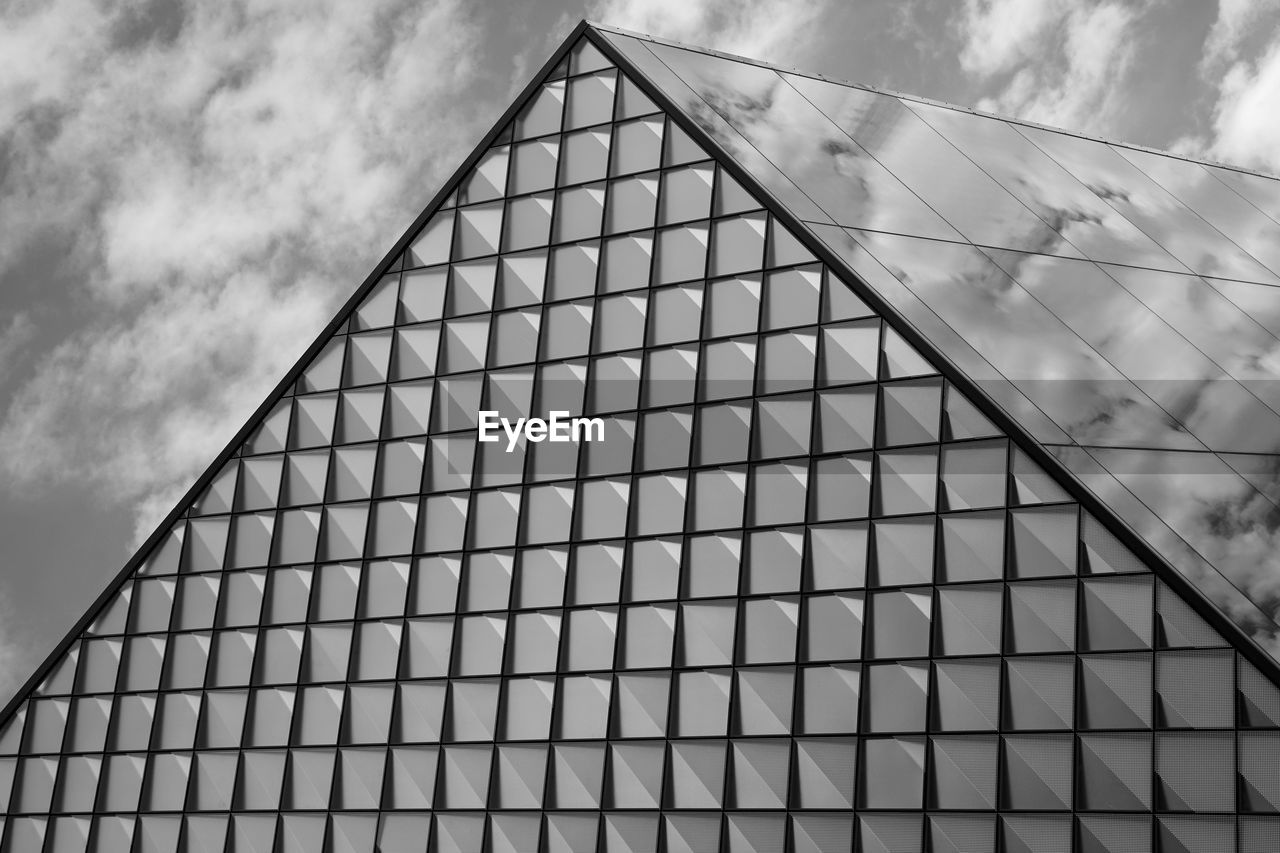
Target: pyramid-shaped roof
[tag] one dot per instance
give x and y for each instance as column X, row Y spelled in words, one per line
column 933, row 476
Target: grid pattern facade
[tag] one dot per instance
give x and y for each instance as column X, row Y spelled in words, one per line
column 802, row 596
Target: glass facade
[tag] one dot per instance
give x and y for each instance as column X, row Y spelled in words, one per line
column 800, row 595
column 1119, row 305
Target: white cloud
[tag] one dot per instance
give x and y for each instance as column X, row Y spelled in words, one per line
column 1246, row 124
column 761, row 29
column 1063, row 63
column 135, row 405
column 1234, row 24
column 1240, row 62
column 228, row 178
column 1002, row 34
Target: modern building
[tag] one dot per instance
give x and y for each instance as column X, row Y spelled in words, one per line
column 931, row 507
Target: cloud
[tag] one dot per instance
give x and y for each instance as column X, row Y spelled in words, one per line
column 1060, row 63
column 1246, row 125
column 136, row 408
column 229, row 171
column 1235, row 22
column 15, row 336
column 1002, row 34
column 1240, row 63
column 760, row 29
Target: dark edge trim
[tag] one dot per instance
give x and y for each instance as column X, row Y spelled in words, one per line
column 1232, row 632
column 28, row 687
column 781, row 69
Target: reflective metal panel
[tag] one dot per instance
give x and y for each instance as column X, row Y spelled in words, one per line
column 792, row 134
column 1087, row 222
column 1180, row 230
column 951, row 184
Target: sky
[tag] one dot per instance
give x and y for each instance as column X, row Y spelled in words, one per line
column 189, row 189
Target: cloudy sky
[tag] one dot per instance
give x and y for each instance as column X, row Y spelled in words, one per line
column 190, row 188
